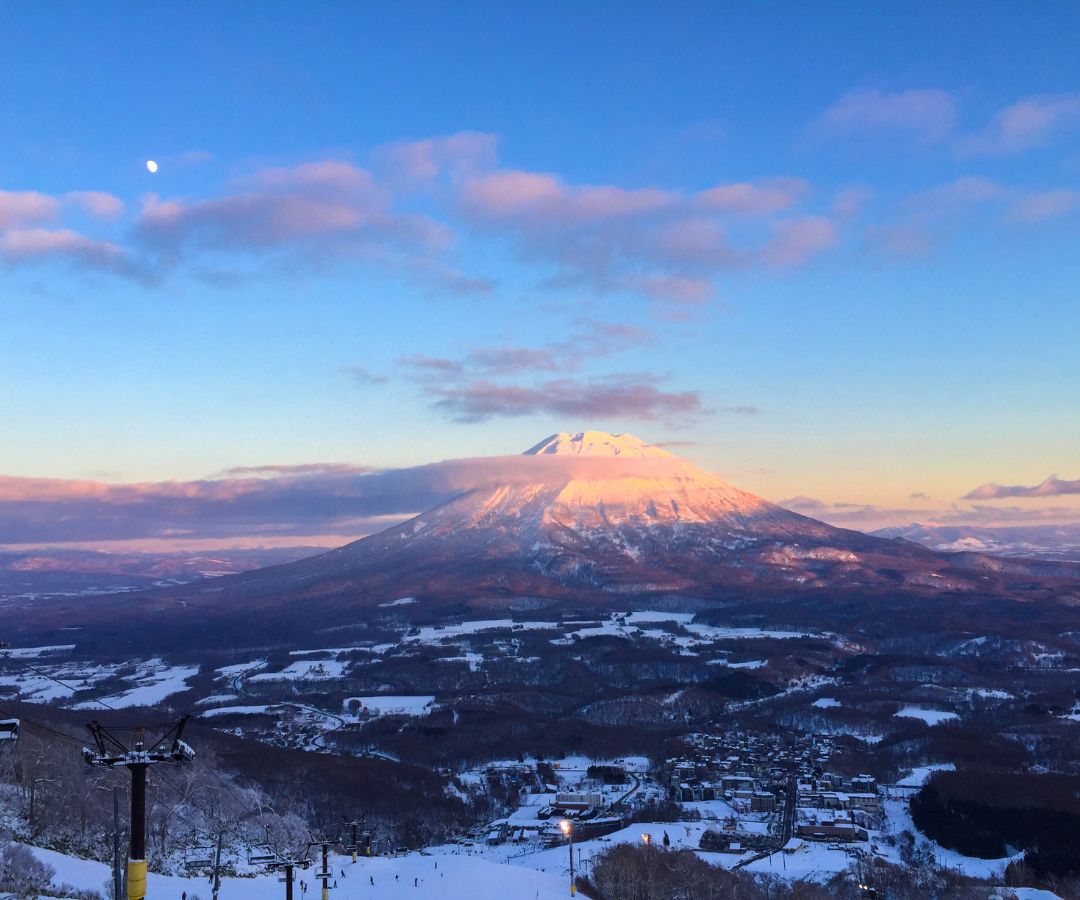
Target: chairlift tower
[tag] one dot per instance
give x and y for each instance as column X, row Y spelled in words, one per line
column 357, row 840
column 286, row 864
column 325, row 873
column 110, row 752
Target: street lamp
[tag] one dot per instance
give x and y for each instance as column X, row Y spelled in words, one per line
column 568, row 829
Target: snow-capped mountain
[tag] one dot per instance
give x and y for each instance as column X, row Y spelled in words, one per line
column 596, row 482
column 578, row 523
column 596, row 514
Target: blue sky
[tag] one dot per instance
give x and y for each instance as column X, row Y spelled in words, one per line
column 831, row 249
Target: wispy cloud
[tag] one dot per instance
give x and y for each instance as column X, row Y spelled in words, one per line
column 668, row 245
column 96, row 203
column 870, row 516
column 270, row 504
column 924, row 220
column 930, row 117
column 1041, row 205
column 1050, row 487
column 331, row 206
column 31, row 231
column 620, row 396
column 28, row 245
column 504, row 381
column 361, row 375
column 18, row 208
column 926, row 115
column 1025, row 125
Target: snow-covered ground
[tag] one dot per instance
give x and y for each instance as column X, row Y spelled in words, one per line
column 305, row 670
column 929, row 716
column 401, row 601
column 236, row 711
column 35, row 652
column 153, row 682
column 411, row 877
column 388, row 705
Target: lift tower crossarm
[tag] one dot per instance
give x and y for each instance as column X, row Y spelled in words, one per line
column 110, row 753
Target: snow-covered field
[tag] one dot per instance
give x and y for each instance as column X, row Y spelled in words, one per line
column 929, row 716
column 152, row 683
column 305, row 670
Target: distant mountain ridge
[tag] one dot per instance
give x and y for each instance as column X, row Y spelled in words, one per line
column 1048, row 542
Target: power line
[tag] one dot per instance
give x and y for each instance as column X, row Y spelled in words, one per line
column 62, row 684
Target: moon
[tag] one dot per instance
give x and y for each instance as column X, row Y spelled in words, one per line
column 151, row 166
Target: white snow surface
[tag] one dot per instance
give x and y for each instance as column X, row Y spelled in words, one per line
column 305, row 670
column 235, row 711
column 457, row 875
column 597, row 443
column 154, row 681
column 929, row 716
column 401, row 601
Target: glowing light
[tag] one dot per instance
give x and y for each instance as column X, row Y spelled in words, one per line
column 565, row 826
column 151, row 166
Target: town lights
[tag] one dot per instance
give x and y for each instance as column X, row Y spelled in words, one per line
column 568, row 829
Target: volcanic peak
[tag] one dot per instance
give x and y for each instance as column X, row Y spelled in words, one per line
column 597, row 443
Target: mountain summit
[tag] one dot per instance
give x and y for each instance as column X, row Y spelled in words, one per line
column 574, row 486
column 597, row 443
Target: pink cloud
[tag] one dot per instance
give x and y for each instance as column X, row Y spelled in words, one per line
column 762, row 198
column 928, row 115
column 797, row 240
column 1036, row 207
column 459, row 154
column 697, row 241
column 1050, row 487
column 849, row 202
column 681, row 290
column 330, row 175
column 26, row 208
column 25, row 245
column 500, row 360
column 1025, row 125
column 922, row 220
column 543, row 198
column 330, row 203
column 96, row 203
column 617, row 396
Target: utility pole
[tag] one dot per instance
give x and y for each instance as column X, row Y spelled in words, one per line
column 110, row 753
